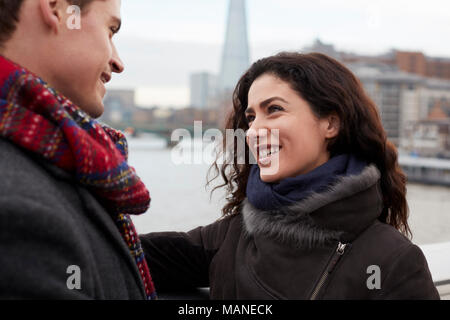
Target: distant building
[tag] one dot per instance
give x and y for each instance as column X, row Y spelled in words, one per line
column 235, row 56
column 187, row 116
column 440, row 110
column 418, row 63
column 431, row 138
column 393, row 92
column 408, row 61
column 203, row 89
column 349, row 57
column 320, row 47
column 403, row 99
column 436, row 93
column 143, row 116
column 411, row 62
column 119, row 106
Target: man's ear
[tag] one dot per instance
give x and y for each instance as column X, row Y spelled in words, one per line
column 51, row 13
column 334, row 125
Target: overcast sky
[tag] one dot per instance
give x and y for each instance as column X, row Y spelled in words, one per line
column 162, row 42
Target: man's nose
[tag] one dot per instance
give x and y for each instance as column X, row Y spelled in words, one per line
column 116, row 63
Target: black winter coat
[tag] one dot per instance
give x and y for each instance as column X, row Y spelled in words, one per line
column 328, row 246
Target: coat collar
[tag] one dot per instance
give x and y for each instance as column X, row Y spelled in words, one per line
column 339, row 214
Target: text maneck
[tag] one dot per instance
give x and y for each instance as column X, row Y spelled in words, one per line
column 247, row 309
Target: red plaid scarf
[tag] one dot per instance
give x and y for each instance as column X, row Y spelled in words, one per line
column 37, row 118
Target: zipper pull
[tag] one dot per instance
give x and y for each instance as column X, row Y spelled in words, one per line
column 340, row 250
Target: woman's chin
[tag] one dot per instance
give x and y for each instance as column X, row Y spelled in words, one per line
column 269, row 178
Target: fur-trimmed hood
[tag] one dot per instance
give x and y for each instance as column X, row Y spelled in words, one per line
column 338, row 214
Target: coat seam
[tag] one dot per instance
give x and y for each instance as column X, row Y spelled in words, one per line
column 260, row 284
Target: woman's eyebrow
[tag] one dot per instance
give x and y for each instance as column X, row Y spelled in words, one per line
column 268, row 101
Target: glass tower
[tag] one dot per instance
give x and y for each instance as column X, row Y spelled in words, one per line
column 235, row 56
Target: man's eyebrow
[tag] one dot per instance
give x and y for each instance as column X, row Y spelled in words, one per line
column 117, row 21
column 265, row 103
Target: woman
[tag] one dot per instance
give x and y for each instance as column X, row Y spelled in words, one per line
column 323, row 213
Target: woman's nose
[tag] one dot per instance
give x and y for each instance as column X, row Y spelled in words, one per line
column 260, row 126
column 261, row 132
column 257, row 133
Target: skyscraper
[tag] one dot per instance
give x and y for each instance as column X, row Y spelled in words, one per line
column 235, row 56
column 203, row 87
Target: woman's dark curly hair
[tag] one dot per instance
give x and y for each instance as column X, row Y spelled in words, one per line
column 329, row 87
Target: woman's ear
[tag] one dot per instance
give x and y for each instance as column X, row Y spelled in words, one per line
column 51, row 13
column 334, row 125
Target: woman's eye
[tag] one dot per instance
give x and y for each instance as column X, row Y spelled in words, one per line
column 250, row 118
column 274, row 108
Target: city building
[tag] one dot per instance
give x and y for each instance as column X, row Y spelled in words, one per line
column 431, row 137
column 403, row 99
column 119, row 106
column 350, row 57
column 440, row 110
column 215, row 92
column 408, row 61
column 235, row 56
column 418, row 63
column 396, row 95
column 325, row 48
column 122, row 113
column 203, row 89
column 143, row 116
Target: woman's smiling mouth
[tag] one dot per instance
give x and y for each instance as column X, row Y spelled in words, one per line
column 266, row 153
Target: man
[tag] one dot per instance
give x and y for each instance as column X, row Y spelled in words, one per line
column 67, row 190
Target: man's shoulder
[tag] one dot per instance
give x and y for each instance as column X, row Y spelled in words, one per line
column 30, row 185
column 25, row 177
column 15, row 161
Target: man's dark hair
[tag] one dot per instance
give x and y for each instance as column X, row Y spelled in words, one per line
column 10, row 11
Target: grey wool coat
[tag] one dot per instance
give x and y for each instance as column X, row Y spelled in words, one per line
column 48, row 223
column 330, row 245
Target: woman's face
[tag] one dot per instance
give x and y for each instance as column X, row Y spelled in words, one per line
column 285, row 137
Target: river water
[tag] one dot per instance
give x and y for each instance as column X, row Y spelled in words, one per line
column 180, row 201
